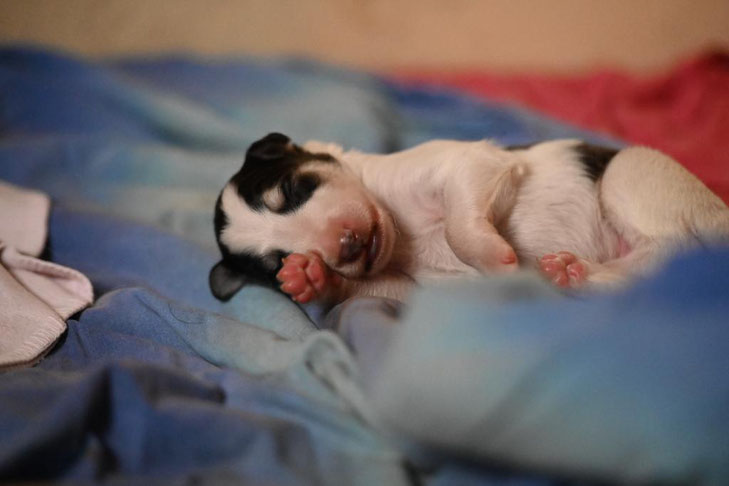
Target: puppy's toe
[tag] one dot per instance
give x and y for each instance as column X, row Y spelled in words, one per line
column 294, row 284
column 577, row 273
column 307, row 295
column 551, row 264
column 316, row 272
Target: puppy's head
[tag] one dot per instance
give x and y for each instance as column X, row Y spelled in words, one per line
column 288, row 200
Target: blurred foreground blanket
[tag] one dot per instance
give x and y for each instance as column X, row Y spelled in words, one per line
column 495, row 381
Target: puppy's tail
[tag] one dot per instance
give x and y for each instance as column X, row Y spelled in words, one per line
column 504, row 192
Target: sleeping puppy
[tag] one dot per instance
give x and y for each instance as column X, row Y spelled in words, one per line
column 323, row 224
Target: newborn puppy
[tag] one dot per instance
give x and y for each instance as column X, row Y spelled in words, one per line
column 324, row 224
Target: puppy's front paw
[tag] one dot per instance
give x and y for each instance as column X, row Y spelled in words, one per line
column 305, row 277
column 563, row 269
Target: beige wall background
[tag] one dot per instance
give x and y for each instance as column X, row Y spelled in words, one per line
column 505, row 35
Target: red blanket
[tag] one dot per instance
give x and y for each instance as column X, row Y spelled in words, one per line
column 685, row 112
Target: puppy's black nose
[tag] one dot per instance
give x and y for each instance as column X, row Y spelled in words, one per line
column 351, row 246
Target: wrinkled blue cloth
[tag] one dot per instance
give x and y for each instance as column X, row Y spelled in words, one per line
column 630, row 387
column 160, row 382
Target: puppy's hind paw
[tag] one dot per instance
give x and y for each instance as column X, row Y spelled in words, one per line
column 563, row 269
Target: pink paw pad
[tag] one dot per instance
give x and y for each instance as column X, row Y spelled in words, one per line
column 305, row 277
column 563, row 268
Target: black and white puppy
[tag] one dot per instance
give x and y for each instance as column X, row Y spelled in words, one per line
column 324, row 224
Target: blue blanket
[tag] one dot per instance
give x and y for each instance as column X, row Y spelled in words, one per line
column 499, row 381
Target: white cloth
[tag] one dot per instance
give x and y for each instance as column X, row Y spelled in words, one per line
column 36, row 297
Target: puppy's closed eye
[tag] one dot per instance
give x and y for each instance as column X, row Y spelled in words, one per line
column 292, row 193
column 273, row 199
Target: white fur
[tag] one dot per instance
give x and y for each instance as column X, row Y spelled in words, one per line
column 449, row 208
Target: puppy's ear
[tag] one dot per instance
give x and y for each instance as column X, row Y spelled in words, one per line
column 272, row 146
column 225, row 281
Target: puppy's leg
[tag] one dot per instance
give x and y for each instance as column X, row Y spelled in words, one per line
column 477, row 198
column 657, row 208
column 646, row 192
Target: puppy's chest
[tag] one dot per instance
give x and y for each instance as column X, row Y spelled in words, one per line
column 422, row 248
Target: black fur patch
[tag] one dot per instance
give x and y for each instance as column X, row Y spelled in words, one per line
column 297, row 189
column 594, row 158
column 273, row 161
column 233, row 272
column 220, row 220
column 259, row 269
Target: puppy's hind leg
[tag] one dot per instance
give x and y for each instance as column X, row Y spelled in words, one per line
column 657, row 208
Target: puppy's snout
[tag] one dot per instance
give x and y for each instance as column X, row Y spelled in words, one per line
column 351, row 246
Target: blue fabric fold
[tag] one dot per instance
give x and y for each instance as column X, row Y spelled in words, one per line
column 630, row 387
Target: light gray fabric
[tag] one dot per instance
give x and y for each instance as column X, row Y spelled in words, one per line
column 23, row 218
column 36, row 297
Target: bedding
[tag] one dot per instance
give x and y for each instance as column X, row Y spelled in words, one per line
column 494, row 381
column 36, row 296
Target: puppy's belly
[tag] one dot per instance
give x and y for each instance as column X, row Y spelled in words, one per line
column 573, row 224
